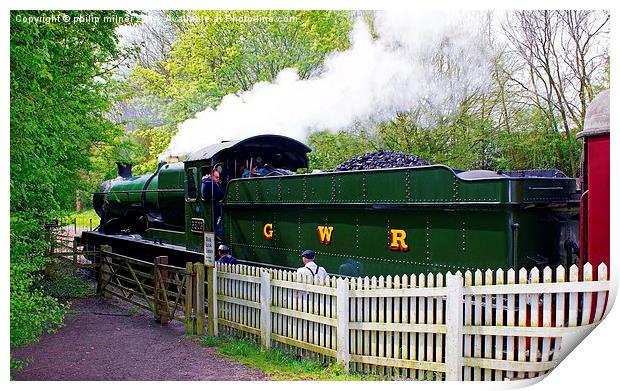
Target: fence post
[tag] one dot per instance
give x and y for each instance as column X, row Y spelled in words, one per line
column 75, row 255
column 454, row 323
column 52, row 242
column 342, row 331
column 212, row 327
column 189, row 298
column 199, row 268
column 156, row 288
column 48, row 240
column 161, row 284
column 265, row 309
column 103, row 269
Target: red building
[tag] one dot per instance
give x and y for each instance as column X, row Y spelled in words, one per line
column 594, row 220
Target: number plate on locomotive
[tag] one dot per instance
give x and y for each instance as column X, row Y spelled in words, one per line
column 198, row 225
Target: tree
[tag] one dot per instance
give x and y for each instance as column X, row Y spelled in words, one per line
column 223, row 52
column 60, row 92
column 563, row 60
column 330, row 149
column 218, row 53
column 61, row 89
column 155, row 37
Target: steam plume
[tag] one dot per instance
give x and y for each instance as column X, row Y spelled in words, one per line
column 424, row 61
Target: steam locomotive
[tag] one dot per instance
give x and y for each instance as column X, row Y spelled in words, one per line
column 369, row 222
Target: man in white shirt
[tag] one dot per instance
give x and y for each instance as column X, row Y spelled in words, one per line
column 310, row 268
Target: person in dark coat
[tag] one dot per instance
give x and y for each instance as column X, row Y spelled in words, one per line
column 211, row 188
column 212, row 191
column 224, row 254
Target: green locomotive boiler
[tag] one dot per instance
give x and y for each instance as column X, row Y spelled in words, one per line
column 373, row 222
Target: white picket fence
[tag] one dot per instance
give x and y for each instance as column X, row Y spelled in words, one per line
column 472, row 326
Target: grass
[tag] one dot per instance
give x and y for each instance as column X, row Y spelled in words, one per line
column 83, row 218
column 281, row 365
column 63, row 285
column 85, row 213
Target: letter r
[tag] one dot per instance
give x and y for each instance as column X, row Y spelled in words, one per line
column 397, row 240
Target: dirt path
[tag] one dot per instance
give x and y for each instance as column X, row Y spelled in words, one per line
column 105, row 339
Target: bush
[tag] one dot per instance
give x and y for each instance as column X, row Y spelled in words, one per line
column 32, row 311
column 464, row 142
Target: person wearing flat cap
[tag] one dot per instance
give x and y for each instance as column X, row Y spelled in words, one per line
column 310, row 268
column 224, row 254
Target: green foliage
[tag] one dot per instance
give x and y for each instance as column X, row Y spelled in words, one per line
column 537, row 146
column 211, row 342
column 32, row 312
column 279, row 364
column 330, row 149
column 465, row 142
column 219, row 54
column 61, row 89
column 102, row 163
column 17, row 365
column 60, row 92
column 152, row 141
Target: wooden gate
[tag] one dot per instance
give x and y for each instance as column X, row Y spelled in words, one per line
column 63, row 245
column 163, row 289
column 168, row 291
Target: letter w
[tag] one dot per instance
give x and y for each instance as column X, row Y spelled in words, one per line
column 325, row 233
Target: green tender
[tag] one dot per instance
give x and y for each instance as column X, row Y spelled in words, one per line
column 451, row 223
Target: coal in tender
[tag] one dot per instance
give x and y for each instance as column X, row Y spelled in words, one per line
column 381, row 159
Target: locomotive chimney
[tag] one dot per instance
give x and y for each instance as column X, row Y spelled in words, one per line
column 124, row 169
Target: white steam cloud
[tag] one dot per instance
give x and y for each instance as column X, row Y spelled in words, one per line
column 424, row 61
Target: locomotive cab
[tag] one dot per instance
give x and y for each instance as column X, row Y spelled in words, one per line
column 264, row 155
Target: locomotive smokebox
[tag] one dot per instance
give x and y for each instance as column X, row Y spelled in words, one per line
column 594, row 210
